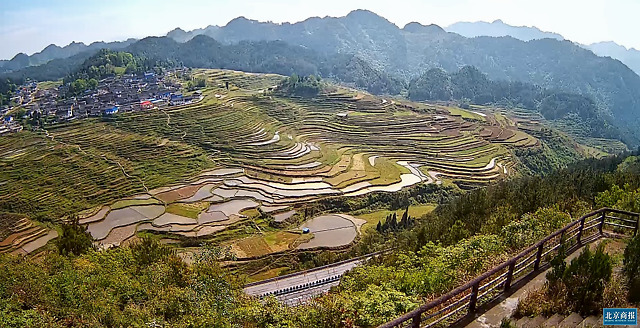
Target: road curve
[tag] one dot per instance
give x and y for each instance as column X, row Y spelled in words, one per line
column 294, row 289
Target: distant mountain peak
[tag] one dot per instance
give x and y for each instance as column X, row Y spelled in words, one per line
column 362, row 12
column 51, row 46
column 609, row 44
column 19, row 56
column 629, row 56
column 498, row 28
column 177, row 30
column 241, row 20
column 74, row 43
column 366, row 16
column 415, row 27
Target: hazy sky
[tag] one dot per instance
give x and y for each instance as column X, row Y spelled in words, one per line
column 30, row 25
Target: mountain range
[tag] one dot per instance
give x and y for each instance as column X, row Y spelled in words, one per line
column 498, row 28
column 630, row 57
column 366, row 49
column 53, row 51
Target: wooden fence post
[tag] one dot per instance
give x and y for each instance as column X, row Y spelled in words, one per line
column 416, row 321
column 536, row 264
column 579, row 239
column 507, row 283
column 604, row 214
column 474, row 297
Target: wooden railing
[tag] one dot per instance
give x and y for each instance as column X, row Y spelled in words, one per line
column 464, row 300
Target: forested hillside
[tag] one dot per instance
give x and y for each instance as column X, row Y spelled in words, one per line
column 369, row 52
column 469, row 84
column 414, row 49
column 205, row 52
column 53, row 51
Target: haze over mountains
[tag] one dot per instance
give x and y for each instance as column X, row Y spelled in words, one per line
column 372, row 53
column 53, row 51
column 498, row 28
column 630, row 57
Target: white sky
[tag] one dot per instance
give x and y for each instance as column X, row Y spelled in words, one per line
column 30, row 25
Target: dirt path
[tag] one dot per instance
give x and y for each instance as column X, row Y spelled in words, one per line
column 184, row 133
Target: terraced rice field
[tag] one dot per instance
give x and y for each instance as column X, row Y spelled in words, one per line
column 19, row 235
column 192, row 170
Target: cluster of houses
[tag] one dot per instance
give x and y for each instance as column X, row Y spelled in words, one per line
column 23, row 96
column 113, row 95
column 8, row 124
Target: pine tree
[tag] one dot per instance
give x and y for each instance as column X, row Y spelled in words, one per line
column 404, row 222
column 394, row 222
column 385, row 225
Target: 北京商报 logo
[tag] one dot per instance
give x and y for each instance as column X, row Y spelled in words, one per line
column 612, row 316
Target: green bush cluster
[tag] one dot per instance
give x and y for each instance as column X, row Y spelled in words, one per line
column 631, row 268
column 139, row 286
column 303, row 86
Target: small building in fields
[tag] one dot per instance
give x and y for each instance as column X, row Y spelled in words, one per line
column 146, row 104
column 111, row 110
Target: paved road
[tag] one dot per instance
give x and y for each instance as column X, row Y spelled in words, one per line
column 299, row 288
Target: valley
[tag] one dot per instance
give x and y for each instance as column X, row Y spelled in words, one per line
column 243, row 166
column 318, row 165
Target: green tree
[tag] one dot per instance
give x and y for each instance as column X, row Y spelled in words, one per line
column 74, row 239
column 149, row 250
column 631, row 268
column 582, row 281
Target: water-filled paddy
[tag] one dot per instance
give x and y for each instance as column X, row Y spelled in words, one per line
column 123, row 217
column 330, row 230
column 281, row 217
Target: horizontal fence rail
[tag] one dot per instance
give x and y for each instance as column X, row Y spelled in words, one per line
column 464, row 300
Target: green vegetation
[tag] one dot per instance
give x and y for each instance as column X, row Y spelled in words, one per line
column 590, row 282
column 131, row 286
column 373, row 217
column 187, row 210
column 103, row 64
column 583, row 280
column 7, row 87
column 74, row 239
column 120, row 287
column 391, row 223
column 79, row 86
column 108, row 63
column 631, row 268
column 469, row 83
column 305, row 86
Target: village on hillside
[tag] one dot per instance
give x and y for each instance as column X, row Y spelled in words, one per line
column 114, row 94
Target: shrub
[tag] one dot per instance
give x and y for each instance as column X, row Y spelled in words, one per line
column 74, row 239
column 631, row 266
column 149, row 251
column 615, row 293
column 585, row 279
